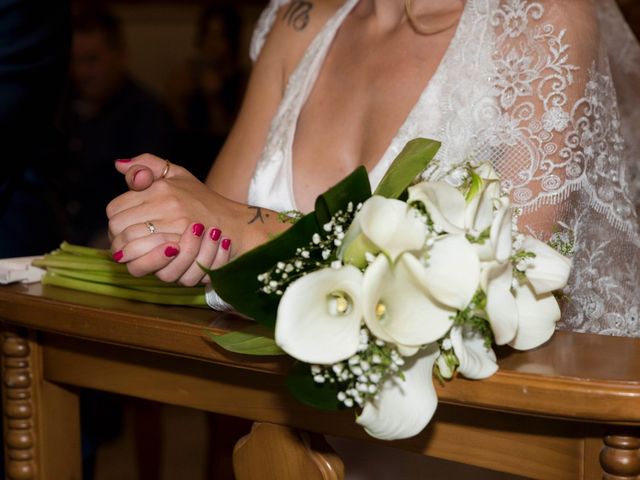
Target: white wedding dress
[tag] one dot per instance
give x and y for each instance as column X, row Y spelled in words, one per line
column 530, row 86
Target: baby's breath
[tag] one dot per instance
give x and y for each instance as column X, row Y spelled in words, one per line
column 320, row 252
column 359, row 377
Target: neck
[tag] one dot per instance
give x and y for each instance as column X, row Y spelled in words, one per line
column 426, row 17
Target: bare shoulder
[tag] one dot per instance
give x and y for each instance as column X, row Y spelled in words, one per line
column 296, row 25
column 571, row 11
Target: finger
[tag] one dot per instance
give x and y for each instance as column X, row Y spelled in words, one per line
column 155, row 164
column 139, row 178
column 142, row 230
column 190, row 242
column 139, row 247
column 148, row 212
column 224, row 253
column 206, row 256
column 153, row 261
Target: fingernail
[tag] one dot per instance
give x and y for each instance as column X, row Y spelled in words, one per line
column 215, row 234
column 123, row 160
column 197, row 229
column 226, row 244
column 135, row 175
column 171, row 251
column 117, row 256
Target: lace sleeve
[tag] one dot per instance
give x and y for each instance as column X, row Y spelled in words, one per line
column 263, row 27
column 558, row 144
column 560, row 126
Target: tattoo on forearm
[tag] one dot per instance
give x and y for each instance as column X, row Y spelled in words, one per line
column 259, row 216
column 297, row 14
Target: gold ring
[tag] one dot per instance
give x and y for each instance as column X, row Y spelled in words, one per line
column 151, row 227
column 167, row 166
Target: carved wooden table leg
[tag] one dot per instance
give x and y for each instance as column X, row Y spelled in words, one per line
column 275, row 452
column 41, row 419
column 620, row 457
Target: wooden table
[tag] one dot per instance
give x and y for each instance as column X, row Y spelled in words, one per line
column 568, row 410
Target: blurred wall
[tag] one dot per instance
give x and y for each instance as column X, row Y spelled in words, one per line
column 160, row 37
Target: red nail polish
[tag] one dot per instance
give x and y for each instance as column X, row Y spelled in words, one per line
column 215, row 234
column 226, row 244
column 117, row 256
column 171, row 251
column 197, row 229
column 123, row 160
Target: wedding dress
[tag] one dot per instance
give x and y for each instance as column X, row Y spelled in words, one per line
column 531, row 86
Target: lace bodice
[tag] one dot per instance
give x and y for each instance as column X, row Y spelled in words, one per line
column 528, row 85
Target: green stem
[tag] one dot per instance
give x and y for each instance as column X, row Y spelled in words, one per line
column 126, row 293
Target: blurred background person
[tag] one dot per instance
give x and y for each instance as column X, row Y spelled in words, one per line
column 34, row 52
column 205, row 94
column 108, row 115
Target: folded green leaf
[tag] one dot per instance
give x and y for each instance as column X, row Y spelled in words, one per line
column 355, row 189
column 253, row 340
column 410, row 162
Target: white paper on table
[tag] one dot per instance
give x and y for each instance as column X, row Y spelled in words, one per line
column 19, row 270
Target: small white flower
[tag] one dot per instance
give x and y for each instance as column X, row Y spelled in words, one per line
column 315, row 238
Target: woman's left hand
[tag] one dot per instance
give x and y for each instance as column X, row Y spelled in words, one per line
column 179, row 209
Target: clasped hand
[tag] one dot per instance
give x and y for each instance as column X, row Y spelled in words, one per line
column 168, row 225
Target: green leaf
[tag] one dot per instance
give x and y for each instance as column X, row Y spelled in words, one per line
column 237, row 281
column 355, row 188
column 323, row 396
column 411, row 162
column 253, row 340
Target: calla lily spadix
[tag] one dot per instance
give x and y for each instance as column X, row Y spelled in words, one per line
column 404, row 407
column 397, row 306
column 383, row 225
column 319, row 316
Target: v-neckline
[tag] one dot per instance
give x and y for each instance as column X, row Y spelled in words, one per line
column 331, row 30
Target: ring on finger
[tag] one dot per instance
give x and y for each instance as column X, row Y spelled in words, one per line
column 151, row 227
column 165, row 171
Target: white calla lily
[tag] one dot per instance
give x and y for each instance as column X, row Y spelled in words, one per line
column 444, row 203
column 403, row 408
column 386, row 225
column 479, row 211
column 397, row 307
column 537, row 317
column 476, row 360
column 319, row 316
column 501, row 230
column 501, row 306
column 452, row 275
column 549, row 270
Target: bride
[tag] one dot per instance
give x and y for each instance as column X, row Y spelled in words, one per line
column 337, row 84
column 528, row 84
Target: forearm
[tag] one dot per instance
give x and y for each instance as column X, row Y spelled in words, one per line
column 254, row 226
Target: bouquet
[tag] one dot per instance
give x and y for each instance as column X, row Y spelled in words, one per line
column 374, row 294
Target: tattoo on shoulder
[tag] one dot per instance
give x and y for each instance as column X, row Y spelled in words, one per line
column 258, row 216
column 297, row 14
